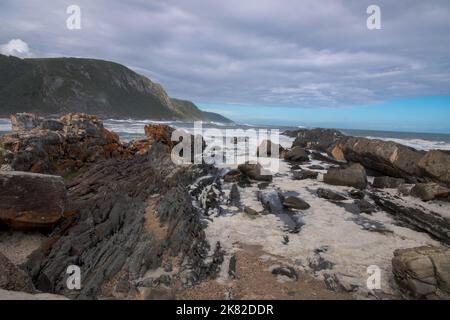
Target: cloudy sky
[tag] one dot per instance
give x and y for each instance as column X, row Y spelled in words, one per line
column 287, row 61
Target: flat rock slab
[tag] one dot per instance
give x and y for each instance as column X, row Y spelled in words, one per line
column 31, row 200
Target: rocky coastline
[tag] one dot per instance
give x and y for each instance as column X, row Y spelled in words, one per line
column 141, row 227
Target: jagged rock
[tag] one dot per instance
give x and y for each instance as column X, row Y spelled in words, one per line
column 415, row 216
column 266, row 148
column 14, row 278
column 423, row 272
column 352, row 176
column 429, row 191
column 330, row 195
column 235, row 197
column 356, row 194
column 135, row 215
column 232, row 267
column 386, row 157
column 318, row 139
column 365, row 206
column 286, row 271
column 436, row 164
column 316, row 167
column 304, row 174
column 160, row 132
column 30, row 200
column 387, row 182
column 25, row 121
column 295, row 203
column 50, row 146
column 254, row 171
column 297, row 154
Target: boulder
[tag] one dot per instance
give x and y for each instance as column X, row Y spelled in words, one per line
column 286, row 271
column 305, row 174
column 352, row 176
column 232, row 176
column 295, row 203
column 31, row 201
column 297, row 154
column 14, row 278
column 317, row 139
column 267, row 147
column 423, row 272
column 254, row 171
column 330, row 195
column 387, row 182
column 429, row 191
column 436, row 164
column 386, row 157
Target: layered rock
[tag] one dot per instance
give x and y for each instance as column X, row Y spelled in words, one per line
column 387, row 182
column 135, row 215
column 58, row 146
column 436, row 224
column 386, row 157
column 429, row 191
column 30, row 200
column 352, row 176
column 423, row 272
column 436, row 164
column 317, row 139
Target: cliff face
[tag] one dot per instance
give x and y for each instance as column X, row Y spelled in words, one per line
column 60, row 85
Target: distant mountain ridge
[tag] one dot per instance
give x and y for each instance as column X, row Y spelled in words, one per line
column 55, row 86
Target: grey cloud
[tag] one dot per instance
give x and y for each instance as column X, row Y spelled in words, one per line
column 274, row 52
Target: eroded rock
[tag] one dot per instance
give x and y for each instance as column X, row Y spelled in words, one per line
column 352, row 176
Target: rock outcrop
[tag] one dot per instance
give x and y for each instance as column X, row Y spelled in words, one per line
column 417, row 217
column 352, row 176
column 387, row 182
column 436, row 164
column 254, row 171
column 61, row 146
column 317, row 139
column 423, row 272
column 429, row 191
column 296, row 154
column 386, row 157
column 31, row 200
column 135, row 215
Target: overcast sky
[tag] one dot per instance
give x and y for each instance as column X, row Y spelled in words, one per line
column 290, row 54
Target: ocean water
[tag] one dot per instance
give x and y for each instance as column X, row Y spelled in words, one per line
column 134, row 129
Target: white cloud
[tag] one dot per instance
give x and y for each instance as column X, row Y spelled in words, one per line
column 16, row 47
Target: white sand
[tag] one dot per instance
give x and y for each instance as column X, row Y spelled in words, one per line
column 351, row 248
column 17, row 246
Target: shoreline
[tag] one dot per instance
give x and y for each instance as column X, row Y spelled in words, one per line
column 158, row 230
